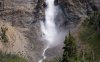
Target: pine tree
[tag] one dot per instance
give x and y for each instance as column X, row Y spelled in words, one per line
column 69, row 48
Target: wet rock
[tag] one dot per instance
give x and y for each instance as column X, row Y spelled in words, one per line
column 45, row 5
column 56, row 2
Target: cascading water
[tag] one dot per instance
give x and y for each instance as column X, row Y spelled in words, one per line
column 49, row 27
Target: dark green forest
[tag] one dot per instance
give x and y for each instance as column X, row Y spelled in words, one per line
column 90, row 33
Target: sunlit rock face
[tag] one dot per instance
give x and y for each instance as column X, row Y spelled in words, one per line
column 25, row 17
column 25, row 12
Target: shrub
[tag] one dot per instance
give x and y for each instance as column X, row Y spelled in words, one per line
column 3, row 34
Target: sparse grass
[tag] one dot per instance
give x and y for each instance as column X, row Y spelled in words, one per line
column 10, row 58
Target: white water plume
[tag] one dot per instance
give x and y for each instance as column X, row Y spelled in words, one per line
column 43, row 54
column 48, row 27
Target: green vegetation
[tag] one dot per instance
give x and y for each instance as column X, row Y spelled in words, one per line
column 10, row 58
column 69, row 49
column 3, row 34
column 90, row 33
column 72, row 53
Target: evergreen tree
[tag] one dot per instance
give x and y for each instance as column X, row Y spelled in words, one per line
column 69, row 48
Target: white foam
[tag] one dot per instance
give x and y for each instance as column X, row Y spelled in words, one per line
column 48, row 27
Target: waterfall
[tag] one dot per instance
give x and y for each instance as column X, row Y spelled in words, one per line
column 49, row 27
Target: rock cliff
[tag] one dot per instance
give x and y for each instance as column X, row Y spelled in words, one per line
column 22, row 19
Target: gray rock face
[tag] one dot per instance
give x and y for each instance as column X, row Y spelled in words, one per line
column 72, row 11
column 28, row 11
column 97, row 3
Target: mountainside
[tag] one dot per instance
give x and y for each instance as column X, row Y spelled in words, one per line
column 22, row 19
